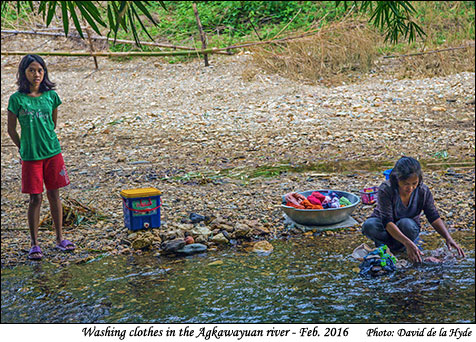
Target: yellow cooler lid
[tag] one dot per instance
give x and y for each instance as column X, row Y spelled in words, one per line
column 142, row 192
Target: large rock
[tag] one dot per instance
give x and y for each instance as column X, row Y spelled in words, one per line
column 192, row 248
column 141, row 242
column 172, row 246
column 262, row 247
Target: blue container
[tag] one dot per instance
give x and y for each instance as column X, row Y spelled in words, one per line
column 141, row 208
column 386, row 173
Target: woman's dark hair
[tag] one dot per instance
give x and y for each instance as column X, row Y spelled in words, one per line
column 403, row 169
column 22, row 81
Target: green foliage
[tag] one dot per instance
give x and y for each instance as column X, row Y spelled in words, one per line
column 231, row 22
column 239, row 19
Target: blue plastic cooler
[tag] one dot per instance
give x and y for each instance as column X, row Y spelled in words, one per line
column 141, row 208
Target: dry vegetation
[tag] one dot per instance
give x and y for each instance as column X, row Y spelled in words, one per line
column 345, row 51
column 336, row 52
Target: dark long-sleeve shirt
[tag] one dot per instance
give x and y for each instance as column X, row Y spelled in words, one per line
column 390, row 207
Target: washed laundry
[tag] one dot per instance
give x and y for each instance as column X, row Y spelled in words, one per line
column 316, row 200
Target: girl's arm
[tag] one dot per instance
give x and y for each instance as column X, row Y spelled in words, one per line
column 413, row 251
column 440, row 227
column 55, row 116
column 12, row 129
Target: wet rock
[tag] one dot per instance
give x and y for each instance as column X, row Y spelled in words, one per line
column 192, row 249
column 262, row 247
column 172, row 246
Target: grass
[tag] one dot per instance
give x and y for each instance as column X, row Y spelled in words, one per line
column 321, row 169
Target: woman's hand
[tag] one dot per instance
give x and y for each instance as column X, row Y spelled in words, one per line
column 452, row 244
column 413, row 252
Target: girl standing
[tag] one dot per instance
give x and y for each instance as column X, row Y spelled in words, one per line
column 35, row 106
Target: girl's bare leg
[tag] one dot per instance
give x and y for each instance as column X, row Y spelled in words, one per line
column 56, row 208
column 34, row 218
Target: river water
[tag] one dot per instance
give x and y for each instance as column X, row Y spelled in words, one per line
column 304, row 280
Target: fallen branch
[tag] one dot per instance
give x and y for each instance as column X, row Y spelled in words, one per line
column 428, row 52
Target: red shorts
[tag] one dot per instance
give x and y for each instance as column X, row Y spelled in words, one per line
column 51, row 171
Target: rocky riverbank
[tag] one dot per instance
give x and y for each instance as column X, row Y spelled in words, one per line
column 219, row 145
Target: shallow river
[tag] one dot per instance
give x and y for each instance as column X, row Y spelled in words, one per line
column 304, row 280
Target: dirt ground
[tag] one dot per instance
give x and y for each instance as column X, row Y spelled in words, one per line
column 219, row 144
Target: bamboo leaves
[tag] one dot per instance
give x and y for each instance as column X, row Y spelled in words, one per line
column 394, row 17
column 125, row 14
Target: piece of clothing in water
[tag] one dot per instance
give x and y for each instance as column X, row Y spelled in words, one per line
column 378, row 262
column 390, row 207
column 374, row 229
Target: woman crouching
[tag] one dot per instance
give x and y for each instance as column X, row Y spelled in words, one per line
column 400, row 201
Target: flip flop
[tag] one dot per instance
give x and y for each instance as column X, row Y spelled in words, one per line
column 37, row 251
column 65, row 243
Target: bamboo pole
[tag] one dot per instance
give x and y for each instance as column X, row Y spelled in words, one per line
column 122, row 41
column 162, row 53
column 202, row 34
column 110, row 54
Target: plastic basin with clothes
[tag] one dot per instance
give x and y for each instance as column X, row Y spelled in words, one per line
column 319, row 217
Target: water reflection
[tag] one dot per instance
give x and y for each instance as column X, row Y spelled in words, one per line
column 303, row 280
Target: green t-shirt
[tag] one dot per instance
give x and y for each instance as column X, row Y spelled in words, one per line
column 38, row 138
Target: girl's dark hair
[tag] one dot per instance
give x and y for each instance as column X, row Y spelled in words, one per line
column 403, row 169
column 22, row 81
